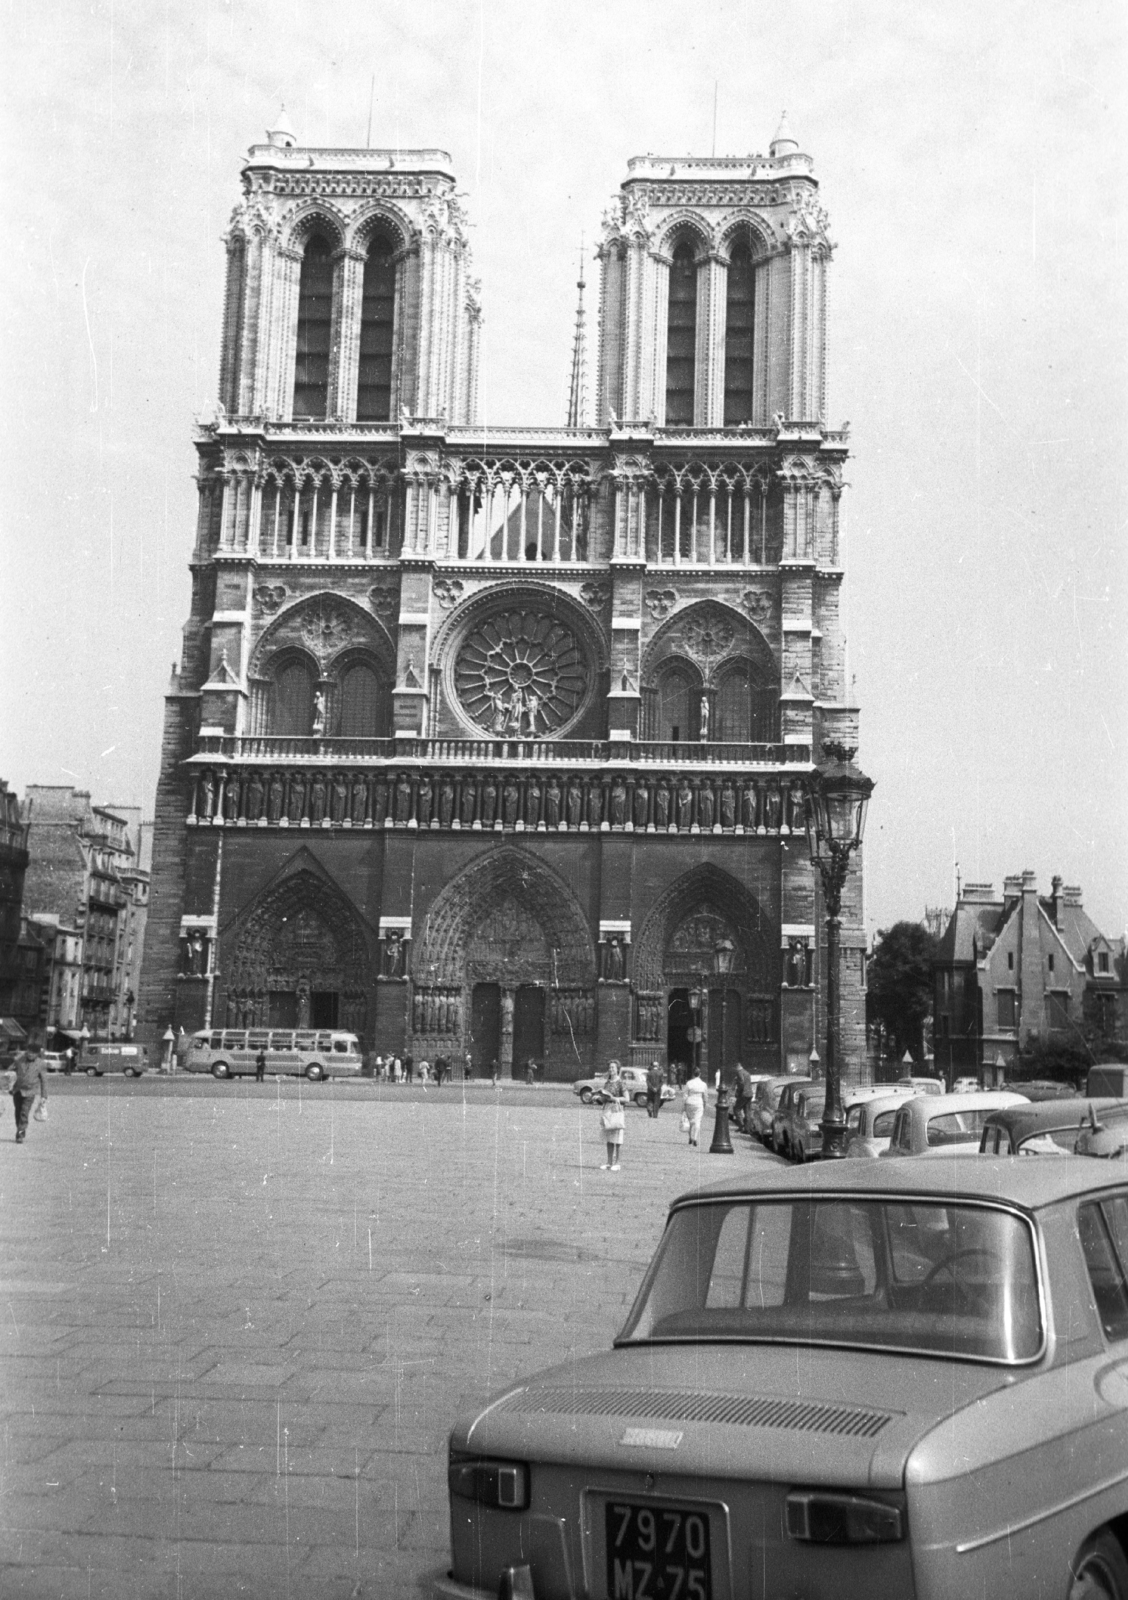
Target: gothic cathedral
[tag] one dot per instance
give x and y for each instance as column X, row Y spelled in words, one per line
column 483, row 741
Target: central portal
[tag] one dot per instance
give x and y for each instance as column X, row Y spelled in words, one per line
column 528, row 1028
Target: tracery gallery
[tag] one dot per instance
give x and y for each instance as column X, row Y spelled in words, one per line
column 484, row 744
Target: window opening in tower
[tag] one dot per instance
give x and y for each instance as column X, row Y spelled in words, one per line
column 681, row 338
column 377, row 320
column 315, row 314
column 741, row 310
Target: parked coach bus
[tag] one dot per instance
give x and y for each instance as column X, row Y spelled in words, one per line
column 301, row 1052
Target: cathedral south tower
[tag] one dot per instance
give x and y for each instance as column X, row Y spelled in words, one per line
column 491, row 745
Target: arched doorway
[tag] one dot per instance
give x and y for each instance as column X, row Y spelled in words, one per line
column 505, row 969
column 675, row 955
column 300, row 960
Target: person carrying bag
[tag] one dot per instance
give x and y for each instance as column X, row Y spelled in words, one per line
column 614, row 1118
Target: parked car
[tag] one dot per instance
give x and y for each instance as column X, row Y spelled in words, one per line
column 922, row 1085
column 764, row 1103
column 801, row 1134
column 592, row 1091
column 965, row 1086
column 869, row 1121
column 1047, row 1127
column 841, row 1380
column 97, row 1058
column 53, row 1060
column 953, row 1125
column 1037, row 1089
column 1109, row 1078
column 784, row 1107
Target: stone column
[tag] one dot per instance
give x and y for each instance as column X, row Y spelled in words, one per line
column 711, row 339
column 347, row 366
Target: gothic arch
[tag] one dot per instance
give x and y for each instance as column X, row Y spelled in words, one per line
column 684, row 225
column 327, row 626
column 300, row 938
column 466, row 904
column 381, row 216
column 309, row 217
column 710, row 634
column 754, row 228
column 708, row 891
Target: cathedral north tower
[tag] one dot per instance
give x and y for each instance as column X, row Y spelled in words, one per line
column 483, row 742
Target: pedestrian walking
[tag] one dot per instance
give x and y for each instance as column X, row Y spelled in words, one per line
column 424, row 1071
column 614, row 1118
column 409, row 1068
column 530, row 1072
column 260, row 1067
column 495, row 1071
column 28, row 1083
column 693, row 1106
column 441, row 1070
column 397, row 1069
column 743, row 1098
column 655, row 1078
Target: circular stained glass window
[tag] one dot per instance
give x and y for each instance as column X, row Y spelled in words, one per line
column 520, row 675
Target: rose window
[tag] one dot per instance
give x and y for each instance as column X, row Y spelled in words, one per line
column 520, row 675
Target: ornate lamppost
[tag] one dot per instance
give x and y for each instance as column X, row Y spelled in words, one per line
column 696, row 1001
column 723, row 952
column 837, row 796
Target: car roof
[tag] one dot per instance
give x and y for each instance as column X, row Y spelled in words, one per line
column 1036, row 1117
column 934, row 1105
column 1015, row 1179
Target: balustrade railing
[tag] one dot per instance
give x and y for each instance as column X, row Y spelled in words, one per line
column 523, row 752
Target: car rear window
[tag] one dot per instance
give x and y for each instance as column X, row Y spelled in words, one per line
column 956, row 1127
column 1104, row 1239
column 930, row 1278
column 883, row 1125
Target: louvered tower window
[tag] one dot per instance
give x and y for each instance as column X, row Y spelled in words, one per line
column 377, row 317
column 741, row 309
column 681, row 338
column 315, row 316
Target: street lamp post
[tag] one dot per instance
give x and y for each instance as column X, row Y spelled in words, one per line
column 837, row 796
column 723, row 952
column 696, row 998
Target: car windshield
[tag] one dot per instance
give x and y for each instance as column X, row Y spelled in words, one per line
column 956, row 1127
column 921, row 1276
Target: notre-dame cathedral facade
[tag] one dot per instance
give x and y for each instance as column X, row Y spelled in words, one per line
column 482, row 739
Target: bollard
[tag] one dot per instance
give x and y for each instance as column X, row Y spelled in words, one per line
column 722, row 1144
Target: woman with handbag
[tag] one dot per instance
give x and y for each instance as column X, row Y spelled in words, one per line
column 693, row 1106
column 614, row 1117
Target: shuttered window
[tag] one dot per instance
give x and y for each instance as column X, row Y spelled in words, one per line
column 681, row 339
column 292, row 708
column 377, row 318
column 741, row 309
column 315, row 317
column 363, row 705
column 678, row 705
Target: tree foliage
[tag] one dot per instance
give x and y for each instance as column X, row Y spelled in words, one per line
column 900, row 986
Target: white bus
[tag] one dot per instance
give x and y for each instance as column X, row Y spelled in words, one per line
column 314, row 1053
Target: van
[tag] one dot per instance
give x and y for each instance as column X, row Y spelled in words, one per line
column 96, row 1059
column 1109, row 1080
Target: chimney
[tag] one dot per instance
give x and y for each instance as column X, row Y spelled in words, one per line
column 1056, row 902
column 1012, row 888
column 1071, row 895
column 978, row 894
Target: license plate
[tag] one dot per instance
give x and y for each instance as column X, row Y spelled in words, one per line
column 657, row 1553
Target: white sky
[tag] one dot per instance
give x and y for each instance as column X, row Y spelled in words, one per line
column 972, row 160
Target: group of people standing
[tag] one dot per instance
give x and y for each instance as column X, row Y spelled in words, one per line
column 694, row 1098
column 405, row 1069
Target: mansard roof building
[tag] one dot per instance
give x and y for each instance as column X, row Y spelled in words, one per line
column 483, row 739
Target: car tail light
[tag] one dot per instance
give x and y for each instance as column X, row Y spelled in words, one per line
column 503, row 1485
column 818, row 1518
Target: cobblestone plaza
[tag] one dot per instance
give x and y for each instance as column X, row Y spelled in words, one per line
column 237, row 1322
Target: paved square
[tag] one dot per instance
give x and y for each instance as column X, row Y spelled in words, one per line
column 236, row 1322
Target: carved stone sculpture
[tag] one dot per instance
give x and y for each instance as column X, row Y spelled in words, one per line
column 520, row 674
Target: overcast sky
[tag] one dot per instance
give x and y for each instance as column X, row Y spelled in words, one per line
column 972, row 159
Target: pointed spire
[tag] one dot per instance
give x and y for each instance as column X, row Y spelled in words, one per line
column 784, row 143
column 282, row 132
column 577, row 391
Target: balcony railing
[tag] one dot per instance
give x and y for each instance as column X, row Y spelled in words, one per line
column 219, row 749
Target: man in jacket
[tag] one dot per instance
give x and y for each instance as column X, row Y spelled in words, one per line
column 654, row 1080
column 28, row 1083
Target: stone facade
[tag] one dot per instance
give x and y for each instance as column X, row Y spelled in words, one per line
column 481, row 740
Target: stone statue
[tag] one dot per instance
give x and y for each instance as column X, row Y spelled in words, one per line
column 532, row 802
column 640, row 805
column 318, row 714
column 255, row 795
column 705, row 805
column 196, row 963
column 613, row 961
column 403, row 798
column 489, row 802
column 773, row 809
column 274, row 797
column 510, row 799
column 618, row 803
column 685, row 804
column 359, row 799
column 339, row 798
column 207, row 796
column 446, row 802
column 797, row 808
column 662, row 806
column 466, row 804
column 231, row 798
column 393, row 953
column 574, row 802
column 296, row 798
column 379, row 802
column 552, row 804
column 704, row 716
column 728, row 805
column 317, row 798
column 748, row 806
column 595, row 805
column 423, row 802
